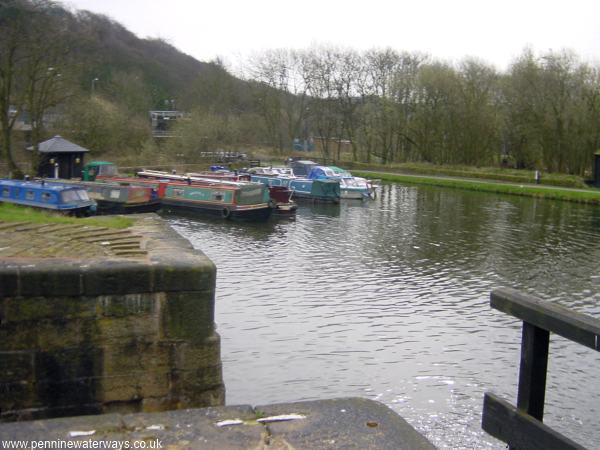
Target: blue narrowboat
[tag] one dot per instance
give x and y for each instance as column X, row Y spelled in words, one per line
column 63, row 198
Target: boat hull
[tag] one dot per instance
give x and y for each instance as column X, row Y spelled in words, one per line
column 228, row 212
column 86, row 210
column 285, row 209
column 321, row 191
column 354, row 194
column 108, row 207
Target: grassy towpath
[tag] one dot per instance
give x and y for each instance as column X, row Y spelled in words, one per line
column 17, row 213
column 587, row 196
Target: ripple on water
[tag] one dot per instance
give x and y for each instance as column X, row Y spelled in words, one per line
column 389, row 300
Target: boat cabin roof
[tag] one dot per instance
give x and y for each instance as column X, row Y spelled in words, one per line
column 47, row 186
column 339, row 170
column 100, row 163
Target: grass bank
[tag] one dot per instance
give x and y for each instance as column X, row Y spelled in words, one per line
column 16, row 213
column 553, row 193
column 485, row 173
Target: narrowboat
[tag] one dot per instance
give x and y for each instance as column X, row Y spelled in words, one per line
column 226, row 199
column 98, row 169
column 221, row 175
column 280, row 196
column 350, row 187
column 63, row 198
column 122, row 198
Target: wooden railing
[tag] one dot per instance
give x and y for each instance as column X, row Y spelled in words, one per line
column 522, row 427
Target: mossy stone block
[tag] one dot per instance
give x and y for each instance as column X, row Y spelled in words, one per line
column 189, row 316
column 16, row 366
column 69, row 363
column 126, row 305
column 117, row 277
column 36, row 308
column 189, row 357
column 56, row 278
column 9, row 280
column 184, row 274
column 17, row 395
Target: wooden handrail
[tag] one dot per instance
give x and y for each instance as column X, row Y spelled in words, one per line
column 522, row 427
column 577, row 327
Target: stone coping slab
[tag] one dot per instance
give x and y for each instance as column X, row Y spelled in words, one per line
column 344, row 424
column 164, row 262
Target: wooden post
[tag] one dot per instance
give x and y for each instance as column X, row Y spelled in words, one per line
column 532, row 374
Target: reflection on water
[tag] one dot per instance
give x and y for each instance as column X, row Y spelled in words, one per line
column 389, row 299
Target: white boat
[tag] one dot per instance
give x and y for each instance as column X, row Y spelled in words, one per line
column 351, row 187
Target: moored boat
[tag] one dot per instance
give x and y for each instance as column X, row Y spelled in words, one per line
column 350, row 187
column 63, row 198
column 301, row 168
column 302, row 188
column 280, row 197
column 225, row 199
column 122, row 198
column 222, row 175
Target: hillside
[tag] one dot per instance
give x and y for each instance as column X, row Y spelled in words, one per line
column 106, row 48
column 88, row 78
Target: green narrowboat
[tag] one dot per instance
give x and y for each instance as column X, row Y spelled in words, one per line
column 231, row 200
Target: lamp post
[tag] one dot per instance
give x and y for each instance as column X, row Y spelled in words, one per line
column 94, row 84
column 305, row 129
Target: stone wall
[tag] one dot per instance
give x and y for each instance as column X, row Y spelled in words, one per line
column 81, row 336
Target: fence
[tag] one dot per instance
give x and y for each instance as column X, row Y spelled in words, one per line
column 522, row 427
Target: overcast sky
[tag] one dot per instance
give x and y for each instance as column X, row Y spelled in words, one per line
column 495, row 32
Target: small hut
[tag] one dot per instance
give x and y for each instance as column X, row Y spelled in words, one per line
column 60, row 158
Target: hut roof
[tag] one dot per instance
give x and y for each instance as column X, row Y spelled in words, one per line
column 58, row 144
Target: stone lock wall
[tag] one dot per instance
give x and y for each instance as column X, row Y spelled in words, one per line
column 93, row 336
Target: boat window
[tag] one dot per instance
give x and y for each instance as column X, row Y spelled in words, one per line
column 82, row 194
column 115, row 193
column 5, row 192
column 69, row 196
column 29, row 195
column 218, row 196
column 46, row 196
column 178, row 192
column 252, row 195
column 329, row 173
column 108, row 170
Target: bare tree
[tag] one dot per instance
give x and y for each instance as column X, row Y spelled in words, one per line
column 13, row 29
column 33, row 67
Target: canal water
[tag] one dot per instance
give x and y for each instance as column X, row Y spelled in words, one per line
column 389, row 300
